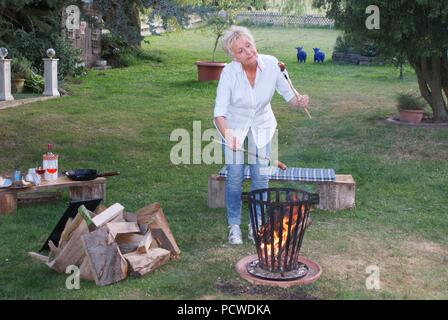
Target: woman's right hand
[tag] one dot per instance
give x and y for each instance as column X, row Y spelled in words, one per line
column 232, row 141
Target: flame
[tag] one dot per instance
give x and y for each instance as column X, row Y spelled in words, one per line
column 279, row 238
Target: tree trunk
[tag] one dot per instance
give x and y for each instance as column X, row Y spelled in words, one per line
column 431, row 76
column 445, row 73
column 135, row 25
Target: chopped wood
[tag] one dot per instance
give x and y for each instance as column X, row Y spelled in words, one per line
column 67, row 225
column 38, row 257
column 85, row 271
column 54, row 250
column 101, row 207
column 119, row 218
column 108, row 215
column 65, row 235
column 166, row 241
column 153, row 216
column 122, row 227
column 130, row 217
column 141, row 264
column 72, row 253
column 128, row 242
column 107, row 264
column 98, row 248
column 144, row 245
column 146, row 215
column 87, row 215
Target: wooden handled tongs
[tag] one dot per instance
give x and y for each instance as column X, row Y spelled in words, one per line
column 277, row 163
column 282, row 67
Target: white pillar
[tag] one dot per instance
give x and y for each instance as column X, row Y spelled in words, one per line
column 51, row 77
column 5, row 80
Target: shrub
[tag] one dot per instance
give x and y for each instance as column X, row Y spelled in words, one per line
column 126, row 59
column 342, row 45
column 410, row 101
column 35, row 83
column 119, row 54
column 348, row 44
column 33, row 46
column 21, row 68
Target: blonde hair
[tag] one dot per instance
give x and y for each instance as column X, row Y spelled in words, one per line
column 232, row 34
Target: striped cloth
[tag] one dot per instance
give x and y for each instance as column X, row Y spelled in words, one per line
column 291, row 174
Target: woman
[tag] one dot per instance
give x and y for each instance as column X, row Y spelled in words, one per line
column 243, row 109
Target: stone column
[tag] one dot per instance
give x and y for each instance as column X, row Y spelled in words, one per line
column 51, row 77
column 5, row 80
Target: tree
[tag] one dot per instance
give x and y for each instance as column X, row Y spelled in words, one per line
column 122, row 18
column 415, row 29
column 29, row 27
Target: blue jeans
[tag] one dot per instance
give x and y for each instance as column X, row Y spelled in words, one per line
column 235, row 176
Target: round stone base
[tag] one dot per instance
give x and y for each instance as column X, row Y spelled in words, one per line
column 314, row 272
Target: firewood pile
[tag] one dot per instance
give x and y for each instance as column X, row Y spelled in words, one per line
column 110, row 244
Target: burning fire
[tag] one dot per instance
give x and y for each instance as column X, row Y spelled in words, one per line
column 277, row 243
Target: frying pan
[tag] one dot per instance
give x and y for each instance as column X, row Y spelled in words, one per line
column 87, row 174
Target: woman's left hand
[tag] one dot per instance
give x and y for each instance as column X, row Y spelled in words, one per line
column 303, row 101
column 300, row 101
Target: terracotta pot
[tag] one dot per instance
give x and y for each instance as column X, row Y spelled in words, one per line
column 411, row 116
column 18, row 85
column 209, row 71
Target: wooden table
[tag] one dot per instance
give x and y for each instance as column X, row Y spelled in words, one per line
column 78, row 191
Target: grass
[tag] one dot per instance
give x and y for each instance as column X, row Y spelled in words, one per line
column 121, row 119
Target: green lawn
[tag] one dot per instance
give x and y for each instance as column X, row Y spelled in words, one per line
column 121, row 119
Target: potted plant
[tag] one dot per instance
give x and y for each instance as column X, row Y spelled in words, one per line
column 211, row 70
column 21, row 70
column 410, row 107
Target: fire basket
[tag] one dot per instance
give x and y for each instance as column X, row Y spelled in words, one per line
column 279, row 218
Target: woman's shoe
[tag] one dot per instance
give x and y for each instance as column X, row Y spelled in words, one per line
column 250, row 234
column 235, row 236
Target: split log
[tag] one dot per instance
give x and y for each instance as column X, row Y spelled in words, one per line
column 85, row 271
column 72, row 253
column 101, row 207
column 141, row 264
column 146, row 242
column 146, row 215
column 108, row 215
column 54, row 251
column 38, row 257
column 119, row 218
column 166, row 241
column 130, row 217
column 107, row 264
column 153, row 216
column 128, row 242
column 69, row 228
column 67, row 224
column 122, row 227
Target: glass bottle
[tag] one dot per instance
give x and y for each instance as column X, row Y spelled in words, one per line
column 50, row 164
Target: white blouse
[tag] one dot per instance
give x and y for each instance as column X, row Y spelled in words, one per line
column 249, row 108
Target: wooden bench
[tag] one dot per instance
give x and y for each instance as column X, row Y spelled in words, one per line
column 78, row 191
column 333, row 195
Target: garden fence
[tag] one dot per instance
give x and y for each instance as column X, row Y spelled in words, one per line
column 278, row 19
